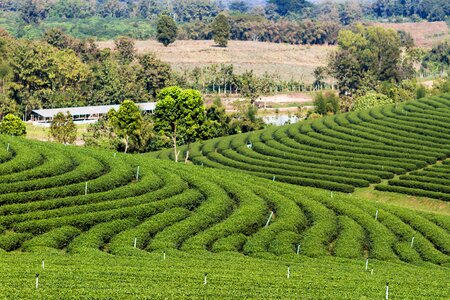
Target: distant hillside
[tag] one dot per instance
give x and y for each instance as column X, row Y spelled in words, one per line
column 289, row 61
column 425, row 34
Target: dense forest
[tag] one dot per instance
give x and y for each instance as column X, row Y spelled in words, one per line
column 292, row 21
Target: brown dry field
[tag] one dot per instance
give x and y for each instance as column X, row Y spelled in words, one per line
column 425, row 34
column 288, row 61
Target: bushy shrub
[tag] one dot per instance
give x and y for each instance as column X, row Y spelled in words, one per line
column 370, row 100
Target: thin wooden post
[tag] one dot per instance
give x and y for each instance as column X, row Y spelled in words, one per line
column 270, row 218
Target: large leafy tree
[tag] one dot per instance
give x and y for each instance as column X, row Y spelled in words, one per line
column 180, row 115
column 57, row 38
column 12, row 125
column 126, row 122
column 367, row 56
column 154, row 74
column 326, row 103
column 166, row 30
column 438, row 59
column 249, row 86
column 45, row 76
column 63, row 129
column 108, row 82
column 221, row 30
column 125, row 48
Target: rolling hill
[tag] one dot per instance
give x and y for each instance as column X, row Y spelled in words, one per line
column 98, row 224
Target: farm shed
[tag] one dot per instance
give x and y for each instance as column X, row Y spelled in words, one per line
column 84, row 113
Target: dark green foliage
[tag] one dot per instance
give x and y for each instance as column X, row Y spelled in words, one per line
column 406, row 39
column 433, row 10
column 166, row 30
column 239, row 5
column 194, row 10
column 101, row 134
column 438, row 59
column 220, row 121
column 284, row 7
column 326, row 103
column 30, row 12
column 245, row 118
column 57, row 38
column 421, row 92
column 154, row 74
column 367, row 56
column 63, row 129
column 125, row 48
column 42, row 75
column 221, row 30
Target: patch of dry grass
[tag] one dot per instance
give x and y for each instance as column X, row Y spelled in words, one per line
column 289, row 61
column 408, row 201
column 425, row 34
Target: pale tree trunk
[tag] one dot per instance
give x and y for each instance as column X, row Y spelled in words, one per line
column 187, row 157
column 174, row 141
column 126, row 143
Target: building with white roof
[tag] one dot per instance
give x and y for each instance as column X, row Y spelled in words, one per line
column 84, row 113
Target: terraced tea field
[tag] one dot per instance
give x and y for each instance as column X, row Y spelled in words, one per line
column 345, row 151
column 109, row 225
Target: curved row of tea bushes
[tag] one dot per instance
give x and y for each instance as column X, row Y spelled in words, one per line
column 192, row 210
column 352, row 149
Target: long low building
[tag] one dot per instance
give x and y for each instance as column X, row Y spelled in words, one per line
column 83, row 113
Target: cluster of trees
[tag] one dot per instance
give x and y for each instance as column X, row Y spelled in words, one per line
column 370, row 59
column 258, row 28
column 375, row 66
column 33, row 11
column 438, row 59
column 290, row 21
column 180, row 118
column 61, row 71
column 222, row 79
column 432, row 10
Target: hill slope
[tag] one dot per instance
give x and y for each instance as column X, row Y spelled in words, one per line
column 288, row 61
column 99, row 223
column 345, row 151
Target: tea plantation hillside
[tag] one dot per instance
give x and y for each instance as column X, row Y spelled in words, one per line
column 345, row 151
column 97, row 224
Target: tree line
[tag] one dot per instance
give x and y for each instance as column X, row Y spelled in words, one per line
column 289, row 21
column 190, row 10
column 373, row 66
